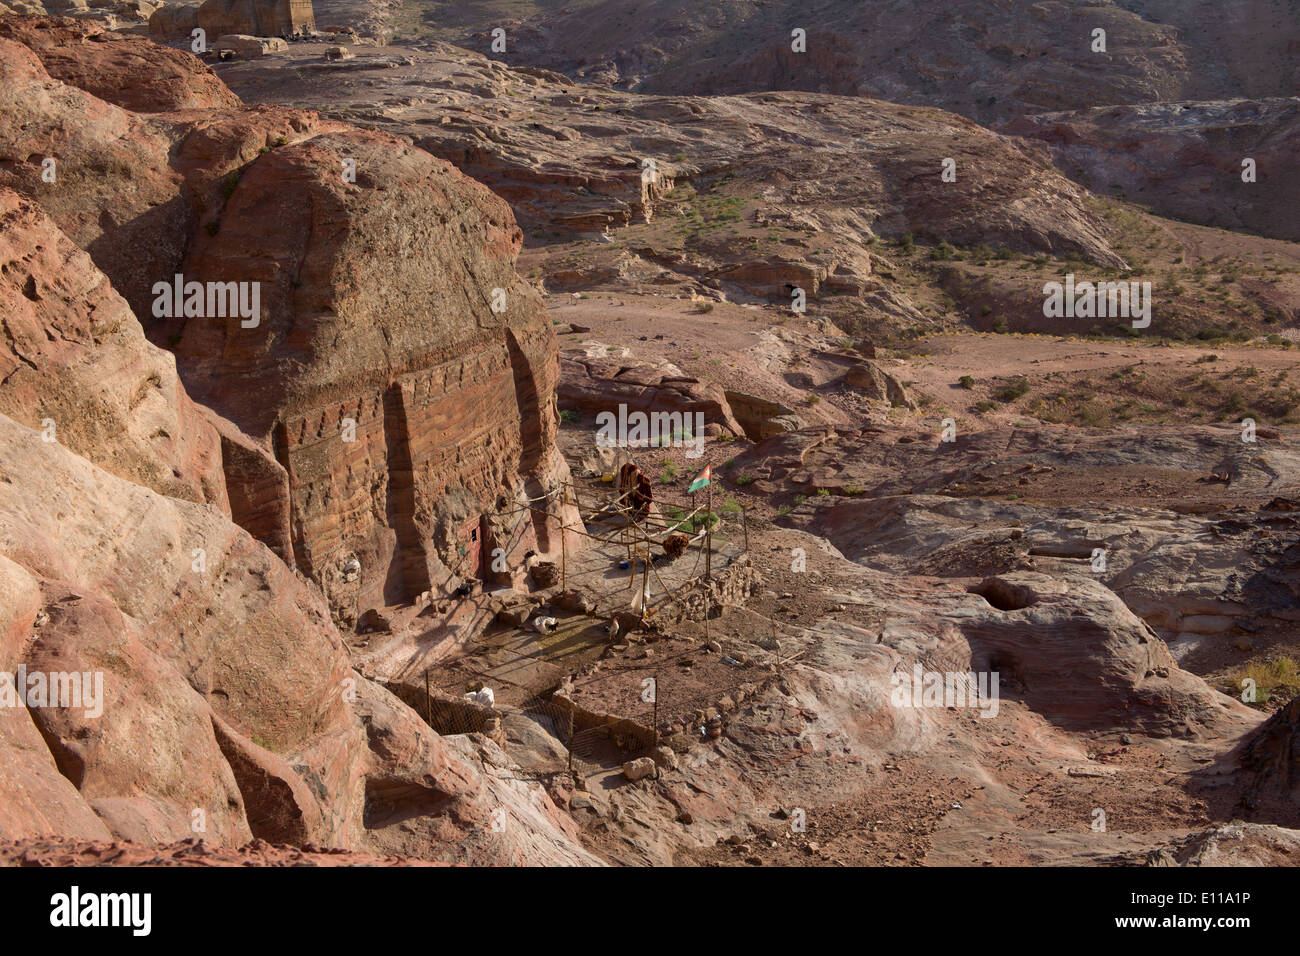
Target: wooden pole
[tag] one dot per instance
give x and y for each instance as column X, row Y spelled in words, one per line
column 570, row 738
column 706, row 613
column 656, row 702
column 645, row 577
column 708, row 535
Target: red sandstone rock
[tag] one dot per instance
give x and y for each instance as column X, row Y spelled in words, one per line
column 211, row 648
column 226, row 689
column 371, row 320
column 267, row 18
column 74, row 356
column 594, row 386
column 129, row 72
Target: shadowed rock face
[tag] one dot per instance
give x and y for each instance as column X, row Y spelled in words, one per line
column 1271, row 759
column 75, row 362
column 1185, row 159
column 985, row 60
column 399, row 380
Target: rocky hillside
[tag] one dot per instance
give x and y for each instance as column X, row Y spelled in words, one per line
column 585, row 161
column 985, row 60
column 195, row 556
column 365, row 321
column 1185, row 160
column 746, row 198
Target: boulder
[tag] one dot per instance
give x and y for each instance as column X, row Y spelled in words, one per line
column 246, row 47
column 639, row 769
column 874, row 382
column 595, row 386
column 761, row 418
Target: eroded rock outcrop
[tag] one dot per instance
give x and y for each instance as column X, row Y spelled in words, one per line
column 126, row 71
column 228, row 667
column 74, row 363
column 1231, row 844
column 985, row 60
column 1186, row 159
column 398, row 379
column 596, row 386
column 571, row 162
column 263, row 18
column 219, row 697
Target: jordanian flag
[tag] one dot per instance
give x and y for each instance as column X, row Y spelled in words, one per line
column 702, row 479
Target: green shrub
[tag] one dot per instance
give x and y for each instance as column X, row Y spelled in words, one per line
column 1016, row 387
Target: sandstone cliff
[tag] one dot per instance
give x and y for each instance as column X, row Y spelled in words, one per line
column 263, row 18
column 229, row 706
column 380, row 386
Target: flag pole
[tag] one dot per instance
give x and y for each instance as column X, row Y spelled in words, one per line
column 708, row 534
